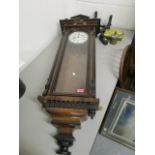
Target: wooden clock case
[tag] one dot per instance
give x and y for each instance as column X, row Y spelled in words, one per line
column 68, row 108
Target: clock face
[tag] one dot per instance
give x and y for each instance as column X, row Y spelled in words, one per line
column 78, row 37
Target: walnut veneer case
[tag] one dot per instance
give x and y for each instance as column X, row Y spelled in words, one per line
column 69, row 94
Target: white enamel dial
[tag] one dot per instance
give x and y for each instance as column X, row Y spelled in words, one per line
column 78, row 37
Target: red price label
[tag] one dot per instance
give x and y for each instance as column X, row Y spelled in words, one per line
column 80, row 90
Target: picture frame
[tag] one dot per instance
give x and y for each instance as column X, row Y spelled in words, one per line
column 119, row 121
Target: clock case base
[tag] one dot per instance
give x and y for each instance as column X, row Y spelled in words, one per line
column 68, row 110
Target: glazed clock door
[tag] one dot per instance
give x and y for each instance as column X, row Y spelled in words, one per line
column 72, row 77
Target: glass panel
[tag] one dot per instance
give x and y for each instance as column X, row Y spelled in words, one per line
column 73, row 71
column 125, row 124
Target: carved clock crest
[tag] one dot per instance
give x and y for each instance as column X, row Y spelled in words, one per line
column 70, row 90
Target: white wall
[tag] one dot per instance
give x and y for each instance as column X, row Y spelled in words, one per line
column 39, row 24
column 39, row 21
column 123, row 11
column 39, row 18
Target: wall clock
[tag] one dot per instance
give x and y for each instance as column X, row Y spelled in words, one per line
column 69, row 94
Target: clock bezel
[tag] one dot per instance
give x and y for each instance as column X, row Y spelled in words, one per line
column 79, row 42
